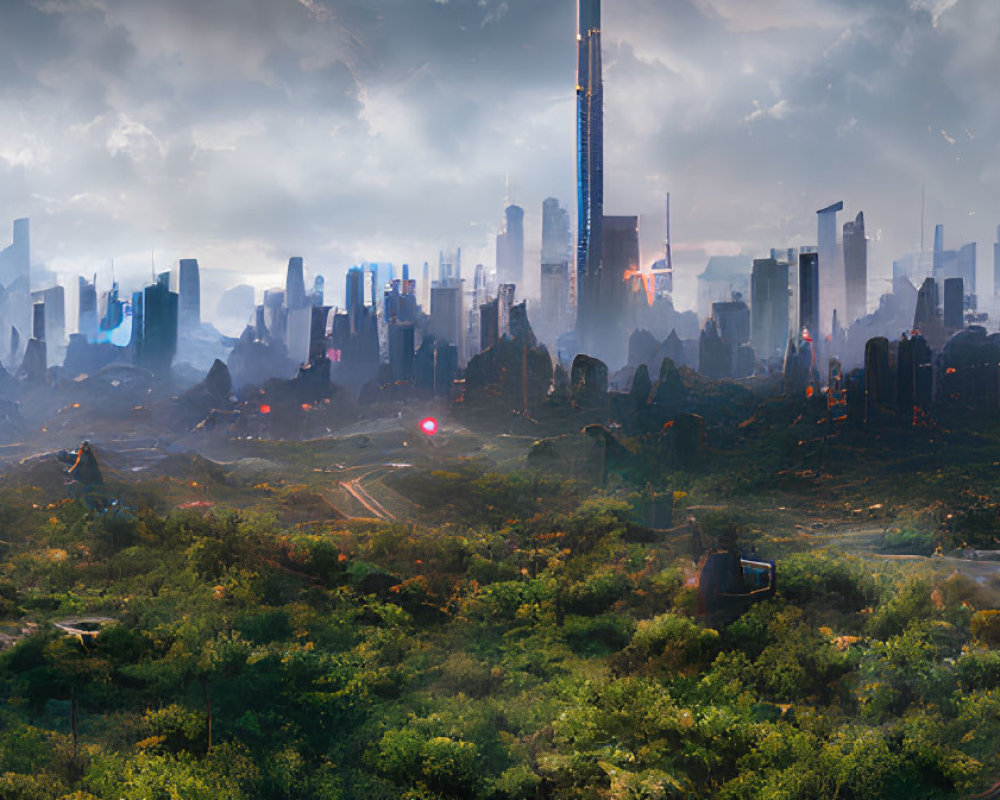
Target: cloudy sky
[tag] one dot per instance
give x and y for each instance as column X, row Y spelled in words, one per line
column 242, row 132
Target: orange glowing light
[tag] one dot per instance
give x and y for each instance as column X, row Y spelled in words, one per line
column 809, row 391
column 648, row 281
column 950, row 371
column 306, row 406
column 265, row 409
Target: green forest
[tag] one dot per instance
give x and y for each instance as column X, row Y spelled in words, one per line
column 528, row 640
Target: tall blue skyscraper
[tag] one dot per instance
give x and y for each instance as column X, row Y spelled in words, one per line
column 590, row 160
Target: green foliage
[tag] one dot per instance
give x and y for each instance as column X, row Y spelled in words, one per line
column 669, row 644
column 597, row 593
column 536, row 648
column 147, row 776
column 909, row 540
column 175, row 728
column 985, row 627
column 597, row 636
column 823, row 582
column 438, row 764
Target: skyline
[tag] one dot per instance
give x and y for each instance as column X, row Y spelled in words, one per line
column 169, row 160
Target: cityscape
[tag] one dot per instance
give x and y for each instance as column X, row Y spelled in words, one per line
column 664, row 502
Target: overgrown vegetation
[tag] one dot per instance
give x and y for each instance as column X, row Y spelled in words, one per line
column 524, row 649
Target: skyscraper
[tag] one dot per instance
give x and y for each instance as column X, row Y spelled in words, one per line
column 620, row 255
column 87, row 308
column 445, row 323
column 295, row 284
column 54, row 301
column 15, row 260
column 954, row 292
column 189, row 289
column 15, row 281
column 959, row 263
column 556, row 247
column 831, row 265
column 809, row 293
column 855, row 269
column 769, row 308
column 556, row 251
column 355, row 296
column 590, row 161
column 155, row 339
column 510, row 248
column 996, row 264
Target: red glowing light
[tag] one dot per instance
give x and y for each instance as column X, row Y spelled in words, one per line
column 429, row 426
column 306, row 406
column 265, row 409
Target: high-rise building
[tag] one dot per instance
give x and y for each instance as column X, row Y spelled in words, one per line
column 927, row 305
column 505, row 301
column 446, row 313
column 954, row 295
column 450, row 265
column 15, row 260
column 769, row 308
column 53, row 300
column 155, row 339
column 809, row 293
column 401, row 351
column 590, row 163
column 555, row 284
column 38, row 321
column 318, row 291
column 878, row 381
column 295, row 284
column 620, row 256
column 831, row 265
column 855, row 269
column 87, row 308
column 318, row 332
column 489, row 324
column 189, row 291
column 959, row 263
column 714, row 357
column 733, row 322
column 996, row 264
column 15, row 282
column 510, row 248
column 555, row 299
column 556, row 235
column 355, row 296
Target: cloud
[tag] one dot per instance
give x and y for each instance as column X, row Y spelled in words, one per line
column 778, row 111
column 382, row 129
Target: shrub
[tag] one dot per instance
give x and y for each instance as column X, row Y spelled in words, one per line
column 597, row 636
column 986, row 627
column 669, row 643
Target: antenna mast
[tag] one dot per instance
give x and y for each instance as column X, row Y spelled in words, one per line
column 670, row 260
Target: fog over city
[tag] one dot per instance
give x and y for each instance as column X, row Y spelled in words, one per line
column 242, row 132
